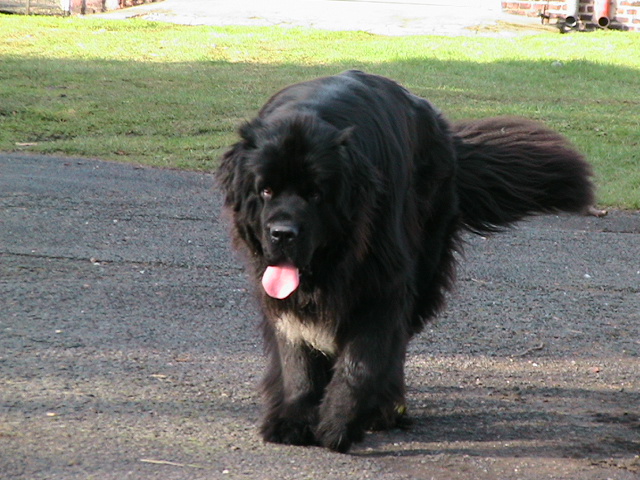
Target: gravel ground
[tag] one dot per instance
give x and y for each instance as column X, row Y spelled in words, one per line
column 129, row 348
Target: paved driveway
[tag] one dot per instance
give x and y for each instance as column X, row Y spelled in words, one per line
column 128, row 346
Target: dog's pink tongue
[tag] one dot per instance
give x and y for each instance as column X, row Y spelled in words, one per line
column 280, row 281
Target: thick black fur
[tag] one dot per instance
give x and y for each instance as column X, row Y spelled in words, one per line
column 376, row 187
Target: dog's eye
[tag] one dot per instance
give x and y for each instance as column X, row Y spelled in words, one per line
column 266, row 193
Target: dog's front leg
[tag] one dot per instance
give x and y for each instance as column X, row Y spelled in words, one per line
column 368, row 383
column 293, row 387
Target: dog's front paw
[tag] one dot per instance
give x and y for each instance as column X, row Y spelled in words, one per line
column 338, row 436
column 289, row 431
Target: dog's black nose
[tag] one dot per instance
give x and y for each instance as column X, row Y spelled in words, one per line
column 283, row 233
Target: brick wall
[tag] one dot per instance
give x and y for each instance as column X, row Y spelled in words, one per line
column 97, row 6
column 624, row 14
column 628, row 14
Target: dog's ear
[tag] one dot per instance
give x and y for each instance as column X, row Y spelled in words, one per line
column 227, row 172
column 249, row 133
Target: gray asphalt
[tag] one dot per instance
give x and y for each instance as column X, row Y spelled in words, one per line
column 129, row 348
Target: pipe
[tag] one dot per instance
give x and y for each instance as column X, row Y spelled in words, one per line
column 571, row 20
column 601, row 12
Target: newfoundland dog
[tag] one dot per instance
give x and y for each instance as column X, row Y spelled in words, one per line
column 348, row 195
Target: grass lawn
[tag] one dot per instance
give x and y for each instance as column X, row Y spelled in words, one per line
column 172, row 96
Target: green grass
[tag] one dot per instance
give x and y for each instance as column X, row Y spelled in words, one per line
column 172, row 96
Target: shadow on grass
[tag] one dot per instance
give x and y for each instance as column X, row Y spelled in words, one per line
column 184, row 114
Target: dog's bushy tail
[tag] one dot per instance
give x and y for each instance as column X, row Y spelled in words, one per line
column 513, row 167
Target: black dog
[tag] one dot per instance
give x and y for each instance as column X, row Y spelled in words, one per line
column 348, row 195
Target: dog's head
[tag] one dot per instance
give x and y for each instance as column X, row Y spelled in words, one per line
column 295, row 188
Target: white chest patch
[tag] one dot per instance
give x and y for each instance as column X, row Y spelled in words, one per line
column 317, row 336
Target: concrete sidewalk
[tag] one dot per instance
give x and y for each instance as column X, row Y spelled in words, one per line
column 455, row 17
